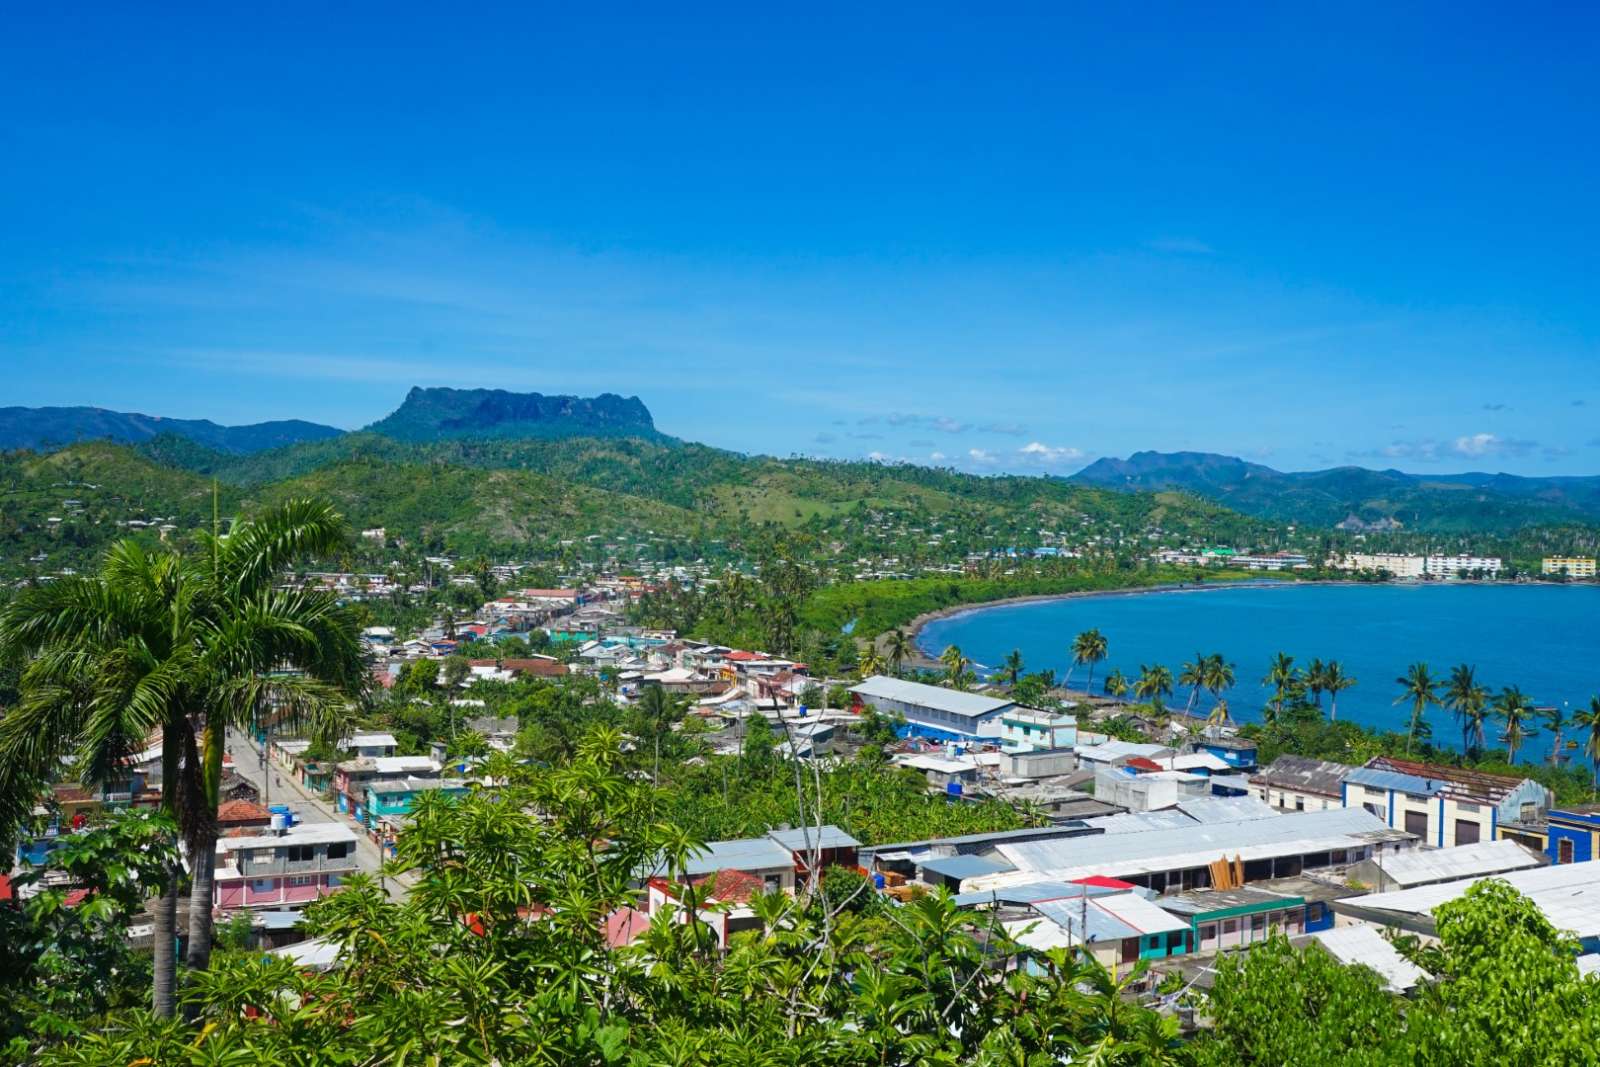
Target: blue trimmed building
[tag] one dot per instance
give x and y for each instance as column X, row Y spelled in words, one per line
column 1443, row 806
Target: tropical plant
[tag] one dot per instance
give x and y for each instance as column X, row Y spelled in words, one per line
column 897, row 646
column 1116, row 684
column 184, row 647
column 1088, row 648
column 1334, row 682
column 1011, row 667
column 871, row 663
column 1153, row 685
column 1315, row 678
column 1588, row 720
column 1281, row 677
column 1555, row 718
column 1193, row 675
column 1416, row 686
column 1515, row 711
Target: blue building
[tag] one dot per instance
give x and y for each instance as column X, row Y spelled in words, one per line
column 1236, row 752
column 1573, row 834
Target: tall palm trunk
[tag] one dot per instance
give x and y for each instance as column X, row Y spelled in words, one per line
column 163, row 994
column 203, row 848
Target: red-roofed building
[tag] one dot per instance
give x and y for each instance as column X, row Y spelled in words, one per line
column 730, row 887
column 1139, row 763
column 240, row 814
column 624, row 925
column 1100, row 881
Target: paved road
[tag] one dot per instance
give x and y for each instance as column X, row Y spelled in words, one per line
column 277, row 788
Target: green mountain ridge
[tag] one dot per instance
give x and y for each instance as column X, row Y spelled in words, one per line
column 39, row 429
column 1473, row 501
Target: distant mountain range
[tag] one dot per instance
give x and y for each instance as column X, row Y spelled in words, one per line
column 426, row 415
column 449, row 414
column 1356, row 498
column 46, row 429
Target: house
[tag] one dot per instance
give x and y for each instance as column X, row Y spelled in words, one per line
column 1233, row 918
column 724, row 901
column 1140, row 784
column 1296, row 783
column 501, row 733
column 1116, row 753
column 931, row 711
column 240, row 815
column 1039, row 763
column 1237, row 752
column 1574, row 834
column 1365, row 946
column 1443, row 806
column 283, row 870
column 1426, row 866
column 1030, row 730
column 350, row 778
column 1118, row 924
column 371, row 744
column 393, row 797
column 777, row 858
column 944, row 773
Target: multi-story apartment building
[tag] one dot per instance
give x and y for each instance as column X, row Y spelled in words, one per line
column 1571, row 566
column 283, row 870
column 1462, row 566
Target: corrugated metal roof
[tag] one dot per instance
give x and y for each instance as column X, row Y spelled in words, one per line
column 824, row 837
column 1128, row 854
column 1309, row 775
column 1422, row 866
column 1226, row 809
column 1137, row 822
column 1568, row 894
column 930, row 696
column 753, row 854
column 1026, row 893
column 1365, row 946
column 962, row 866
column 1403, row 783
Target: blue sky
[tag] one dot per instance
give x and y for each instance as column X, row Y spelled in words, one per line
column 1000, row 242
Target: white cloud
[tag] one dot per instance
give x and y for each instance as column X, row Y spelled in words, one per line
column 936, row 457
column 1043, row 455
column 1477, row 444
column 982, row 456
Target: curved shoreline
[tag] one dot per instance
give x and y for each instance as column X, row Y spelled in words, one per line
column 915, row 626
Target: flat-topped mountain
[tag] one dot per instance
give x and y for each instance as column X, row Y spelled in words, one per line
column 442, row 414
column 44, row 429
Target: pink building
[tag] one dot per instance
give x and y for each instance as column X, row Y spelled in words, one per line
column 283, row 870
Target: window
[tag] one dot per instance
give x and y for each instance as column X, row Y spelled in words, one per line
column 340, row 849
column 1530, row 811
column 1299, row 803
column 1466, row 807
column 1466, row 831
column 300, row 881
column 300, row 853
column 1374, row 809
column 263, row 885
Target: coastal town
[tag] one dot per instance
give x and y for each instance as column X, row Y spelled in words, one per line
column 566, row 536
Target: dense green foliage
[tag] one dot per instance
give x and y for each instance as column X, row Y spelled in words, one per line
column 1506, row 990
column 499, row 955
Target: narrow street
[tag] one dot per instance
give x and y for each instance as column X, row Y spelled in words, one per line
column 277, row 788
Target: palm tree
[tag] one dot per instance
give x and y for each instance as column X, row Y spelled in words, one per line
column 951, row 656
column 1089, row 648
column 957, row 672
column 1474, row 716
column 1155, row 683
column 657, row 706
column 1193, row 674
column 1417, row 686
column 1116, row 684
column 183, row 646
column 1556, row 719
column 1457, row 692
column 1334, row 682
column 1219, row 714
column 1281, row 675
column 1011, row 667
column 1220, row 675
column 1589, row 722
column 871, row 662
column 1316, row 670
column 898, row 647
column 1515, row 709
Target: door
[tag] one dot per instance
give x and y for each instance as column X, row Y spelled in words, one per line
column 1564, row 850
column 1466, row 831
column 1417, row 823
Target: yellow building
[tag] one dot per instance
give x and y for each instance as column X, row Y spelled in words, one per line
column 1571, row 566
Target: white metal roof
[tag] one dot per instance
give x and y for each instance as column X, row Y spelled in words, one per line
column 953, row 701
column 321, row 833
column 1365, row 946
column 1568, row 894
column 1115, row 750
column 1424, row 866
column 1191, row 761
column 1182, row 847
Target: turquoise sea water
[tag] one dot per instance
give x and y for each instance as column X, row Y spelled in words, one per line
column 1545, row 638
